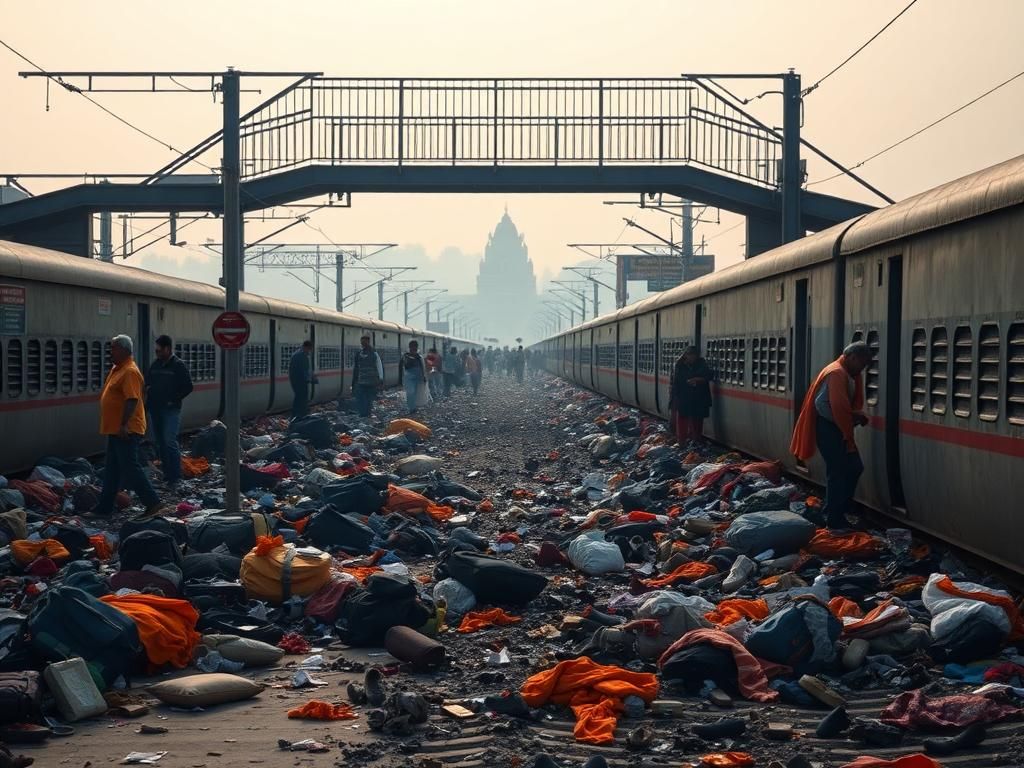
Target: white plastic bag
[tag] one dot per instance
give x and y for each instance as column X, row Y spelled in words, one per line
column 950, row 612
column 591, row 554
column 459, row 598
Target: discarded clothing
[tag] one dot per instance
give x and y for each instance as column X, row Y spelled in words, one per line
column 25, row 551
column 727, row 760
column 686, row 572
column 730, row 611
column 192, row 467
column 843, row 608
column 884, row 619
column 939, row 597
column 101, row 546
column 846, row 545
column 751, row 679
column 322, row 710
column 477, row 620
column 267, row 544
column 914, row 710
column 595, row 693
column 167, row 627
column 906, row 761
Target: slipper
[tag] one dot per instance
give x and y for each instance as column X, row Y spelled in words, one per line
column 59, row 729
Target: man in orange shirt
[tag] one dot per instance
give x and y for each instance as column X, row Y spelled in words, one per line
column 831, row 409
column 123, row 421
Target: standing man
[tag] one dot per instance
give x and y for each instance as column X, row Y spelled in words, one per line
column 474, row 367
column 123, row 422
column 832, row 408
column 300, row 375
column 367, row 376
column 433, row 362
column 519, row 363
column 167, row 384
column 450, row 370
column 690, row 399
column 414, row 374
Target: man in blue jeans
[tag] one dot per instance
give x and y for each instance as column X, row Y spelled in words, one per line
column 168, row 383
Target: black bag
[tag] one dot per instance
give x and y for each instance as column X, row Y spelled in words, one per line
column 441, row 488
column 174, row 528
column 68, row 622
column 68, row 467
column 363, row 494
column 314, row 428
column 89, row 581
column 220, row 591
column 290, row 453
column 73, row 537
column 15, row 654
column 391, row 586
column 210, row 441
column 211, row 565
column 21, row 697
column 225, row 622
column 149, row 548
column 785, row 637
column 236, row 532
column 495, row 581
column 251, row 478
column 330, row 529
column 365, row 617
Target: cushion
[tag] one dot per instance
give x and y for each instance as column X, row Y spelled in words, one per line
column 252, row 653
column 205, row 690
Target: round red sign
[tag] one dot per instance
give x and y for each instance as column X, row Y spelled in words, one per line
column 231, row 330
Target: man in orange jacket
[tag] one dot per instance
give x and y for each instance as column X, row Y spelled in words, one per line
column 831, row 409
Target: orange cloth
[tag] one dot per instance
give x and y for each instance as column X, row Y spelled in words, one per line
column 194, row 467
column 476, row 620
column 401, row 426
column 167, row 627
column 361, row 572
column 124, row 382
column 486, row 506
column 727, row 760
column 321, row 710
column 907, row 585
column 906, row 761
column 847, row 545
column 805, row 442
column 26, row 551
column 405, row 501
column 440, row 512
column 686, row 572
column 731, row 611
column 300, row 525
column 1012, row 612
column 266, row 544
column 594, row 691
column 842, row 608
column 103, row 549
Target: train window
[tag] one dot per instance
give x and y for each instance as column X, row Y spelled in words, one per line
column 82, row 366
column 107, row 362
column 256, row 361
column 14, row 368
column 871, row 374
column 605, row 355
column 918, row 366
column 50, row 373
column 96, row 366
column 1015, row 374
column 712, row 357
column 645, row 357
column 67, row 366
column 988, row 372
column 938, row 381
column 671, row 349
column 328, row 358
column 783, row 366
column 287, row 350
column 963, row 378
column 626, row 357
column 755, row 361
column 773, row 363
column 763, row 364
column 741, row 362
column 33, row 367
column 585, row 354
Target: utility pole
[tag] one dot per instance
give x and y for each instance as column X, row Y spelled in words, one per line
column 233, row 266
column 792, row 227
column 405, row 308
column 339, row 273
column 687, row 232
column 380, row 300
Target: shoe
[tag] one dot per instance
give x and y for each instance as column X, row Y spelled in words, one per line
column 726, row 728
column 413, row 705
column 356, row 693
column 508, row 703
column 720, row 698
column 855, row 652
column 875, row 733
column 833, row 724
column 675, row 560
column 821, row 692
column 639, row 739
column 604, row 619
column 373, row 683
column 739, row 574
column 971, row 736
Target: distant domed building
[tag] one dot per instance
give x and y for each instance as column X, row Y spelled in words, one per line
column 506, row 286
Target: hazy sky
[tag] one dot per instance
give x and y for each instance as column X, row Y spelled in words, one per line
column 938, row 56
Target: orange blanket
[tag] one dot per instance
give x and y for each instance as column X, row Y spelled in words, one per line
column 25, row 551
column 907, row 761
column 731, row 611
column 685, row 572
column 167, row 627
column 847, row 545
column 477, row 620
column 322, row 710
column 593, row 691
column 842, row 608
column 727, row 760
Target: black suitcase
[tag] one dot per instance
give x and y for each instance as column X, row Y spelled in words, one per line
column 21, row 697
column 329, row 529
column 149, row 548
column 495, row 581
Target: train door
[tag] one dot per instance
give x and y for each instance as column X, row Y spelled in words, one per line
column 312, row 363
column 657, row 362
column 273, row 362
column 143, row 351
column 636, row 361
column 800, row 343
column 894, row 347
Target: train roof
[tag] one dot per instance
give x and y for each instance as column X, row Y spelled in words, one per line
column 976, row 194
column 43, row 265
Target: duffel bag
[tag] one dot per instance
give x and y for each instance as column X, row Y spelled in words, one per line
column 68, row 622
column 802, row 635
column 283, row 572
column 21, row 697
column 330, row 529
column 211, row 565
column 362, row 494
column 314, row 428
column 325, row 605
column 176, row 529
column 73, row 537
column 366, row 617
column 224, row 622
column 493, row 580
column 236, row 532
column 149, row 548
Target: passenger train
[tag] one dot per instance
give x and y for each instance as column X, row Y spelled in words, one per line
column 934, row 284
column 59, row 312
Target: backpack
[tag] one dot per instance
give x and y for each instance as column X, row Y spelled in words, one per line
column 236, row 532
column 21, row 697
column 210, row 565
column 73, row 537
column 149, row 548
column 366, row 616
column 330, row 529
column 314, row 428
column 792, row 636
column 14, row 651
column 174, row 528
column 68, row 622
column 363, row 494
column 492, row 580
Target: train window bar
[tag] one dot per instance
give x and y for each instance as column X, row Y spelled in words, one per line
column 96, row 366
column 1015, row 374
column 919, row 362
column 50, row 361
column 963, row 375
column 82, row 366
column 871, row 375
column 939, row 370
column 15, row 378
column 67, row 366
column 33, row 365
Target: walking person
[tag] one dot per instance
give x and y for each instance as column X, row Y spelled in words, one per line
column 474, row 367
column 690, row 398
column 433, row 362
column 831, row 410
column 367, row 376
column 414, row 375
column 123, row 422
column 168, row 383
column 519, row 363
column 300, row 376
column 450, row 370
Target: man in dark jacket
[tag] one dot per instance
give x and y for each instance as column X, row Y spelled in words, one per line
column 367, row 376
column 300, row 376
column 690, row 399
column 167, row 384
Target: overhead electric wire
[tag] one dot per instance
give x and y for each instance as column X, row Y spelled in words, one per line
column 850, row 58
column 74, row 89
column 919, row 131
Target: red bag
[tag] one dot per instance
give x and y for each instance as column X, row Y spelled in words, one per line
column 325, row 604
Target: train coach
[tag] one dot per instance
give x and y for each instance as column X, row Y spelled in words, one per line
column 59, row 312
column 934, row 284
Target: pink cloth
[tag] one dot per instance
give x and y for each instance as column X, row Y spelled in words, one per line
column 751, row 678
column 913, row 710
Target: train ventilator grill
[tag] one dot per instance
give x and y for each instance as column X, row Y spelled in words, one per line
column 782, row 379
column 626, row 357
column 33, row 365
column 963, row 380
column 82, row 369
column 67, row 367
column 871, row 377
column 919, row 363
column 15, row 370
column 256, row 361
column 645, row 357
column 96, row 366
column 50, row 367
column 939, row 381
column 1015, row 374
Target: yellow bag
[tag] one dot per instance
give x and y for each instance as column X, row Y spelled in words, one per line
column 284, row 572
column 400, row 426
